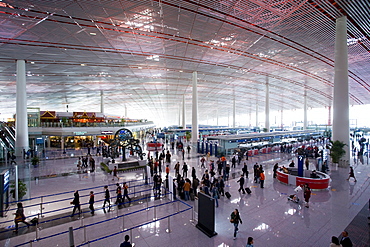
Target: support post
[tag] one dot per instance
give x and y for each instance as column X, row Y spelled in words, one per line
column 183, row 112
column 341, row 89
column 21, row 124
column 267, row 107
column 194, row 128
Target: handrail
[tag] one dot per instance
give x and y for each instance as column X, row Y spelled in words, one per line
column 117, row 217
column 61, row 193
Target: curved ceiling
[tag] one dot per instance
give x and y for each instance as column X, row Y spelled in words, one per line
column 141, row 54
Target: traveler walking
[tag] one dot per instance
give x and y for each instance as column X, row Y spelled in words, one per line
column 125, row 192
column 235, row 219
column 351, row 174
column 76, row 203
column 115, row 173
column 241, row 184
column 91, row 203
column 106, row 198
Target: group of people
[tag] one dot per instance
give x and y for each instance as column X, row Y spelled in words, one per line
column 86, row 161
column 120, row 199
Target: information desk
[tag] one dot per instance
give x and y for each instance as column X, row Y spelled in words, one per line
column 291, row 178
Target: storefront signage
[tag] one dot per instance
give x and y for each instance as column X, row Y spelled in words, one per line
column 107, row 132
column 79, row 133
column 6, row 180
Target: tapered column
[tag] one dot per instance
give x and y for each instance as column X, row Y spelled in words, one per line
column 257, row 114
column 101, row 101
column 281, row 119
column 179, row 115
column 217, row 115
column 234, row 113
column 267, row 106
column 341, row 90
column 305, row 110
column 21, row 124
column 183, row 112
column 194, row 115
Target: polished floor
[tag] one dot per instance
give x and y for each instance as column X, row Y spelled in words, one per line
column 267, row 215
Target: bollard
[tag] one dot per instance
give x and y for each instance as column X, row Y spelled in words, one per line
column 71, row 239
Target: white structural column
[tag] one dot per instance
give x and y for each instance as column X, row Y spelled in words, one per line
column 257, row 114
column 179, row 115
column 341, row 90
column 305, row 110
column 217, row 115
column 194, row 115
column 267, row 107
column 101, row 101
column 281, row 119
column 234, row 112
column 183, row 112
column 21, row 124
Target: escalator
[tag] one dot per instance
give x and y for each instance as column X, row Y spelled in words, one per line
column 7, row 136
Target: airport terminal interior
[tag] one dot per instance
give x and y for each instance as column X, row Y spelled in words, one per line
column 115, row 82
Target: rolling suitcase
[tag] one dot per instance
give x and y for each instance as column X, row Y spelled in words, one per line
column 227, row 194
column 248, row 190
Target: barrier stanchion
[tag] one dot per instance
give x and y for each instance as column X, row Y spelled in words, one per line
column 82, row 222
column 71, row 239
column 155, row 213
column 117, row 209
column 169, row 225
column 178, row 206
column 30, row 243
column 42, row 200
column 131, row 234
column 192, row 214
column 84, row 234
column 123, row 222
column 147, row 203
column 37, row 232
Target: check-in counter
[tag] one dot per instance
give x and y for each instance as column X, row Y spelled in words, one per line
column 255, row 151
column 291, row 178
column 250, row 153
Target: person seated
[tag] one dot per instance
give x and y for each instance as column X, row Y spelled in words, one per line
column 291, row 164
column 314, row 174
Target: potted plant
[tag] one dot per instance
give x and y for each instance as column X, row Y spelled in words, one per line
column 22, row 189
column 35, row 160
column 188, row 135
column 337, row 151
